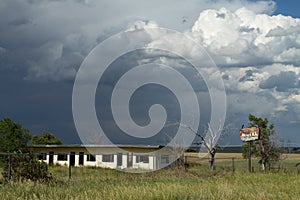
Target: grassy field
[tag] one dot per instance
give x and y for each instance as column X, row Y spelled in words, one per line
column 239, row 155
column 194, row 183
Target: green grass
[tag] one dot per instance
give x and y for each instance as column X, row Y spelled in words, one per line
column 196, row 183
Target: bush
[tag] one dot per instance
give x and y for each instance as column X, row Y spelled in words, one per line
column 25, row 167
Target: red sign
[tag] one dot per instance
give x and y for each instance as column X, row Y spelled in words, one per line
column 249, row 134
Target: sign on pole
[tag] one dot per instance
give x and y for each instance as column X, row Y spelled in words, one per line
column 249, row 134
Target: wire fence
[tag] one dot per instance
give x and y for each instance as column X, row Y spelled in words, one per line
column 289, row 163
column 234, row 164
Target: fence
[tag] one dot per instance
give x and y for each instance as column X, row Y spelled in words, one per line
column 191, row 162
column 239, row 164
column 228, row 164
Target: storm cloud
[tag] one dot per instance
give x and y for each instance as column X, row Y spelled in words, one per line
column 44, row 42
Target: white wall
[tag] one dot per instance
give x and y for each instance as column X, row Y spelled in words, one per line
column 154, row 157
column 142, row 165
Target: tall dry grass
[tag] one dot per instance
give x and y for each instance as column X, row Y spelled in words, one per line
column 195, row 183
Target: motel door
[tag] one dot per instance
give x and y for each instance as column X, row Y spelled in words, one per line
column 51, row 154
column 81, row 156
column 72, row 159
column 129, row 159
column 119, row 159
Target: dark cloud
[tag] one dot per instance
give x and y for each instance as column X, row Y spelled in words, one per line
column 281, row 82
column 38, row 106
column 43, row 43
column 221, row 15
column 248, row 29
column 248, row 76
column 225, row 77
column 19, row 22
column 146, row 96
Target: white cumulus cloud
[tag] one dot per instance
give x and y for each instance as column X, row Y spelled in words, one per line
column 243, row 37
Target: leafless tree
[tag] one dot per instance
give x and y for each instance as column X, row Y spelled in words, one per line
column 209, row 140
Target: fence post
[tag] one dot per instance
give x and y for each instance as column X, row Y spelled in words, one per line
column 9, row 167
column 70, row 167
column 185, row 163
column 233, row 168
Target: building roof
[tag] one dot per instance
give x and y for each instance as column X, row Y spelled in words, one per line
column 96, row 146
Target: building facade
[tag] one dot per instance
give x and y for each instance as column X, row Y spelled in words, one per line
column 123, row 157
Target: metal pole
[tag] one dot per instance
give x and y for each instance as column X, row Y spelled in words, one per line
column 70, row 167
column 249, row 157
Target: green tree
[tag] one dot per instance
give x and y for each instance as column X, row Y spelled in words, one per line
column 14, row 137
column 44, row 139
column 266, row 148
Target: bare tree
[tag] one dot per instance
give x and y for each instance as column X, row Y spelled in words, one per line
column 209, row 140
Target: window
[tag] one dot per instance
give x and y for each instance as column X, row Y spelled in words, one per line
column 62, row 157
column 165, row 159
column 42, row 156
column 90, row 158
column 108, row 158
column 142, row 159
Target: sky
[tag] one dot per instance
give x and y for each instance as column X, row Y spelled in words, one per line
column 254, row 44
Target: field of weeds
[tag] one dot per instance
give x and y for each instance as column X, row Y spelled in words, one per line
column 194, row 182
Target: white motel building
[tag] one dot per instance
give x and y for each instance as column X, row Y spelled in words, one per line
column 121, row 157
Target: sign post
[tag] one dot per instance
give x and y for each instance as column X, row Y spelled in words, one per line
column 248, row 135
column 249, row 157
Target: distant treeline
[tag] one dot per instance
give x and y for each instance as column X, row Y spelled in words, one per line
column 240, row 150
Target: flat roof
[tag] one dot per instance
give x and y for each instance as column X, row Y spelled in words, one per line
column 95, row 146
